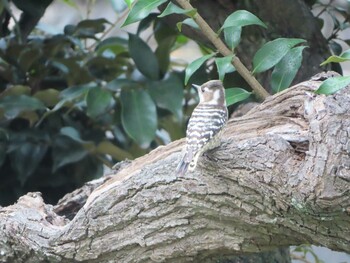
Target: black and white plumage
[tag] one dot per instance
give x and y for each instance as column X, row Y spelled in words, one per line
column 205, row 124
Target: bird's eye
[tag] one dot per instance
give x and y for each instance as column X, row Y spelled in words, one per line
column 203, row 89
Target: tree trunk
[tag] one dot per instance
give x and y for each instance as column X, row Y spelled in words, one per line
column 281, row 177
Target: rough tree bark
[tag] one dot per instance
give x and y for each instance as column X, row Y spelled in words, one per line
column 281, row 177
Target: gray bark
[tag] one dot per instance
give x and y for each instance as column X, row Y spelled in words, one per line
column 281, row 177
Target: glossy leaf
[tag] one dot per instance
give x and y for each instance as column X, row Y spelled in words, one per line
column 71, row 133
column 66, row 151
column 335, row 47
column 72, row 94
column 49, row 97
column 144, row 58
column 129, row 2
column 146, row 22
column 285, row 70
column 163, row 53
column 224, row 65
column 188, row 21
column 98, row 101
column 242, row 18
column 139, row 116
column 232, row 36
column 234, row 95
column 337, row 59
column 174, row 9
column 115, row 44
column 193, row 66
column 14, row 105
column 332, row 85
column 28, row 57
column 272, row 52
column 141, row 9
column 26, row 159
column 168, row 94
column 75, row 92
column 16, row 90
column 86, row 28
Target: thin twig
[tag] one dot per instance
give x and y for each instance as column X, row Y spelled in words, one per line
column 105, row 33
column 225, row 51
column 324, row 8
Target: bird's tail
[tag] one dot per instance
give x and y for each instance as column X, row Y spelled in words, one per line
column 182, row 167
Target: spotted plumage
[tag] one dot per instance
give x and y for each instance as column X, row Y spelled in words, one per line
column 205, row 124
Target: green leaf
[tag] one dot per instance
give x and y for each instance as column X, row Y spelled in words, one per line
column 139, row 116
column 49, row 97
column 285, row 70
column 141, row 9
column 174, row 9
column 28, row 57
column 98, row 101
column 118, row 84
column 16, row 90
column 163, row 52
column 193, row 66
column 70, row 3
column 115, row 44
column 144, row 58
column 242, row 18
column 71, row 94
column 14, row 105
column 65, row 151
column 332, row 85
column 337, row 59
column 234, row 95
column 188, row 21
column 146, row 22
column 272, row 52
column 168, row 94
column 224, row 66
column 129, row 3
column 86, row 28
column 71, row 133
column 232, row 36
column 26, row 159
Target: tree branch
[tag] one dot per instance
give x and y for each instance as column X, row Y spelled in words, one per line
column 281, row 177
column 225, row 51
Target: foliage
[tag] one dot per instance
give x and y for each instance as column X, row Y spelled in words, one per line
column 304, row 251
column 72, row 102
column 75, row 101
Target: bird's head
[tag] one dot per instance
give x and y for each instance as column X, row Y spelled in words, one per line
column 211, row 92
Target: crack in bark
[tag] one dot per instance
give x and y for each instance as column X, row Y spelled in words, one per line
column 253, row 193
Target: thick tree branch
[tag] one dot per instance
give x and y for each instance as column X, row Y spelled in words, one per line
column 281, row 177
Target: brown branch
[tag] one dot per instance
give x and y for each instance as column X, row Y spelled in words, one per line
column 225, row 51
column 280, row 178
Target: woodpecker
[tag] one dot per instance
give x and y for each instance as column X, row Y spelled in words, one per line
column 205, row 124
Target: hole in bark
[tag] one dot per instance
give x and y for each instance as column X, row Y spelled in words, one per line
column 300, row 148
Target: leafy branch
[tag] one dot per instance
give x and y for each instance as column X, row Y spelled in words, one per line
column 225, row 51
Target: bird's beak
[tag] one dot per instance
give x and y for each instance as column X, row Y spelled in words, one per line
column 196, row 86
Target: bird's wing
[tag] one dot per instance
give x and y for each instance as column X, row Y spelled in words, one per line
column 206, row 122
